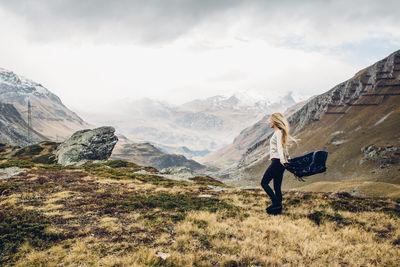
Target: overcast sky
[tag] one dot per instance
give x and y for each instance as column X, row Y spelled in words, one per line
column 91, row 52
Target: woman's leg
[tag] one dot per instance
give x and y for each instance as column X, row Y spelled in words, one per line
column 278, row 183
column 267, row 177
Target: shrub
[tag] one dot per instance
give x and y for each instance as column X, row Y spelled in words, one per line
column 5, row 188
column 18, row 226
column 118, row 163
column 167, row 202
column 29, row 151
column 17, row 163
column 45, row 159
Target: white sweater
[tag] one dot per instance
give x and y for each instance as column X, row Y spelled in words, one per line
column 276, row 148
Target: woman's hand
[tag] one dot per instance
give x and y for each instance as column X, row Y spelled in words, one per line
column 283, row 162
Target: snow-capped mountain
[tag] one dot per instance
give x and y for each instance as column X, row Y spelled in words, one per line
column 50, row 117
column 238, row 100
column 201, row 124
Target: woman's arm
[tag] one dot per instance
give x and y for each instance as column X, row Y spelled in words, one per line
column 282, row 156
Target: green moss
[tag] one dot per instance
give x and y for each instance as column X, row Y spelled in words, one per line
column 396, row 242
column 56, row 166
column 159, row 180
column 358, row 204
column 101, row 170
column 118, row 163
column 18, row 226
column 207, row 180
column 52, row 144
column 17, row 163
column 306, row 196
column 98, row 169
column 29, row 151
column 201, row 223
column 167, row 202
column 150, row 169
column 319, row 217
column 291, row 201
column 6, row 187
column 45, row 159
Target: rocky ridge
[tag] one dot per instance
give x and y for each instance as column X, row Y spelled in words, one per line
column 368, row 88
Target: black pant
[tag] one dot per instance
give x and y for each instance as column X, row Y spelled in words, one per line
column 274, row 171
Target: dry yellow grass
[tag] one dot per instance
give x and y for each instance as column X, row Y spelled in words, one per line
column 105, row 222
column 367, row 188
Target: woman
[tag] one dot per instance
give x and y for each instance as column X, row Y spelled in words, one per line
column 278, row 156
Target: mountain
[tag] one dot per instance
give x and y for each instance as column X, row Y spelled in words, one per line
column 183, row 150
column 50, row 117
column 148, row 155
column 14, row 129
column 231, row 154
column 357, row 122
column 199, row 125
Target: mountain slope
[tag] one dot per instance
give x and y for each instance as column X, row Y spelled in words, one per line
column 49, row 115
column 249, row 136
column 148, row 155
column 354, row 115
column 201, row 124
column 14, row 129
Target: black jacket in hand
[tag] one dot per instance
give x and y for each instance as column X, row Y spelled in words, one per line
column 308, row 164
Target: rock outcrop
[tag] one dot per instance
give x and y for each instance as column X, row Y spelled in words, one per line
column 85, row 145
column 380, row 155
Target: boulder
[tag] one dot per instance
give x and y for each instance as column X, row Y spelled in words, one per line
column 10, row 172
column 84, row 145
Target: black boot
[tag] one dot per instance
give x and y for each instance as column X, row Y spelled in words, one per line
column 275, row 208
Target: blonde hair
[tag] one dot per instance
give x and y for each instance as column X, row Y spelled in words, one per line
column 280, row 121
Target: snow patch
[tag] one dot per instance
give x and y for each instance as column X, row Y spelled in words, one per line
column 338, row 132
column 383, row 118
column 338, row 142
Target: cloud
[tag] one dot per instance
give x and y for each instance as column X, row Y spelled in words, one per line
column 178, row 50
column 311, row 23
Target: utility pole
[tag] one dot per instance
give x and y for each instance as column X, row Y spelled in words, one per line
column 30, row 128
column 29, row 122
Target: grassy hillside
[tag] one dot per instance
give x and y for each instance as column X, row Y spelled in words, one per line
column 105, row 214
column 357, row 122
column 343, row 135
